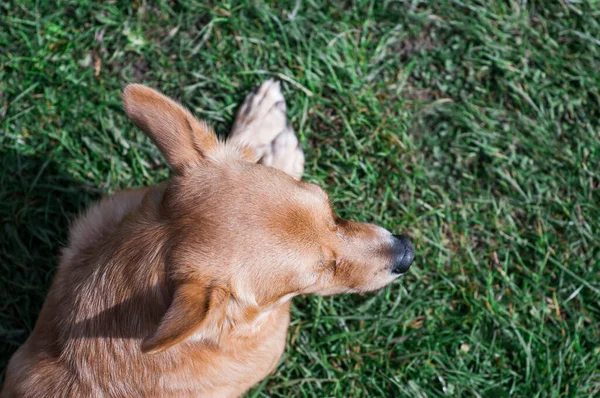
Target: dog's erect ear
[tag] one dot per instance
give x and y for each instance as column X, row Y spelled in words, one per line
column 192, row 308
column 182, row 139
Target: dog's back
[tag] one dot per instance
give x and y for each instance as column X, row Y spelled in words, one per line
column 108, row 294
column 87, row 301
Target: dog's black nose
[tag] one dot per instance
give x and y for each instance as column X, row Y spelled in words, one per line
column 403, row 253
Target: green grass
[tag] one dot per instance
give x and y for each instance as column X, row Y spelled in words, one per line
column 472, row 126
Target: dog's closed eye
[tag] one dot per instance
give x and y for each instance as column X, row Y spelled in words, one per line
column 327, row 260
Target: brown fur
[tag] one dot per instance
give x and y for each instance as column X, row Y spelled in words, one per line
column 183, row 289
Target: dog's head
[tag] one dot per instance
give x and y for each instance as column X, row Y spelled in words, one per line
column 245, row 238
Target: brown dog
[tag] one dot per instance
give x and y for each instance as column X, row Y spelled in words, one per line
column 183, row 289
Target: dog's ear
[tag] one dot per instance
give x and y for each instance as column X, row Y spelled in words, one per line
column 183, row 140
column 192, row 308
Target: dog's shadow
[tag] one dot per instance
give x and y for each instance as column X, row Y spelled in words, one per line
column 38, row 201
column 136, row 317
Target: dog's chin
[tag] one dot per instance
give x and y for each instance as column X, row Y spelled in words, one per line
column 378, row 285
column 370, row 287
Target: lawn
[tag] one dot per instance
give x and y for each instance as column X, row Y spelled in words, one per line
column 474, row 127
